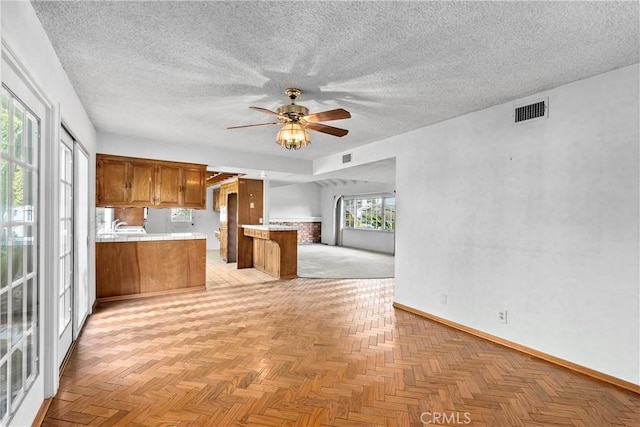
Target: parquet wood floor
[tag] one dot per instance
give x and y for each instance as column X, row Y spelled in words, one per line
column 307, row 352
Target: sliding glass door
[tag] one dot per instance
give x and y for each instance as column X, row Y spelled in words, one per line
column 65, row 255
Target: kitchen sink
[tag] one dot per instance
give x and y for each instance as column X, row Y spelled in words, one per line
column 130, row 229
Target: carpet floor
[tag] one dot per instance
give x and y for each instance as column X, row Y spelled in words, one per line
column 319, row 261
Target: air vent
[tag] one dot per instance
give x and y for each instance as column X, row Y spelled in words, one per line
column 346, row 158
column 531, row 111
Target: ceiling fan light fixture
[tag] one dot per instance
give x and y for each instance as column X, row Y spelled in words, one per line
column 293, row 136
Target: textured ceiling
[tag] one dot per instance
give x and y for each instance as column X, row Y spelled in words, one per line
column 184, row 71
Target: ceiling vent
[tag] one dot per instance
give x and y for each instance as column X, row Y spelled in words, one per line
column 346, row 158
column 528, row 112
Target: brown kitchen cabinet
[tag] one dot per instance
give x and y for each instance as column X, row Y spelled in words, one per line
column 138, row 268
column 114, row 179
column 193, row 191
column 241, row 202
column 216, row 200
column 141, row 183
column 275, row 250
column 167, row 186
column 130, row 182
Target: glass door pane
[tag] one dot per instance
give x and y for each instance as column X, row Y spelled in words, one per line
column 65, row 264
column 19, row 141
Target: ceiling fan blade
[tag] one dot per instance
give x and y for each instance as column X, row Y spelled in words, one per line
column 258, row 124
column 264, row 110
column 325, row 116
column 318, row 127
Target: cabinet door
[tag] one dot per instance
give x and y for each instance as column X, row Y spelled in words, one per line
column 141, row 184
column 258, row 253
column 223, row 241
column 117, row 269
column 168, row 184
column 112, row 182
column 272, row 257
column 216, row 199
column 193, row 188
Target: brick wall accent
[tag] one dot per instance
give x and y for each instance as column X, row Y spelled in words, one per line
column 308, row 232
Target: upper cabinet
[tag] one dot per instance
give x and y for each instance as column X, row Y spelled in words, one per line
column 127, row 181
column 193, row 193
column 168, row 186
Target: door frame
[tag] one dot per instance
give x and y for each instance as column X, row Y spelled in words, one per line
column 78, row 150
column 20, row 81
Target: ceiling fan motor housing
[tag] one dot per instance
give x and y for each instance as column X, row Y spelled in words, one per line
column 293, row 111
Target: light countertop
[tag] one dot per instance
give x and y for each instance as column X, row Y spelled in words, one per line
column 124, row 237
column 271, row 227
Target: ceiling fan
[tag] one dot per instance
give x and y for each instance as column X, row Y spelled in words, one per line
column 296, row 120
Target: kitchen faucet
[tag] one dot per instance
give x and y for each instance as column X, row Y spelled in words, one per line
column 117, row 223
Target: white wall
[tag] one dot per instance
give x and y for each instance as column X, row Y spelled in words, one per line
column 297, row 202
column 205, row 221
column 373, row 240
column 27, row 47
column 540, row 219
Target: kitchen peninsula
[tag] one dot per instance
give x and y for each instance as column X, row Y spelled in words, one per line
column 275, row 249
column 132, row 265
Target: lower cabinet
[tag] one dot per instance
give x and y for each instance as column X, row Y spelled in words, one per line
column 149, row 267
column 271, row 257
column 275, row 252
column 258, row 254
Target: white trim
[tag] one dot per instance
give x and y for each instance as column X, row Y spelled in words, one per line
column 48, row 217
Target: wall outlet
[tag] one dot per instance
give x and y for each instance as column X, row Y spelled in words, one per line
column 502, row 316
column 443, row 299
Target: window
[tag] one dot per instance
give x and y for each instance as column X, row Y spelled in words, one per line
column 371, row 213
column 18, row 253
column 181, row 215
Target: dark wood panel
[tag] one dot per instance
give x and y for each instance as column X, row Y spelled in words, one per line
column 132, row 216
column 129, row 181
column 224, row 236
column 243, row 200
column 141, row 185
column 117, row 271
column 192, row 184
column 216, row 200
column 250, row 201
column 274, row 251
column 112, row 179
column 258, row 254
column 164, row 265
column 272, row 258
column 168, row 185
column 128, row 268
column 232, row 227
column 244, row 250
column 197, row 262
